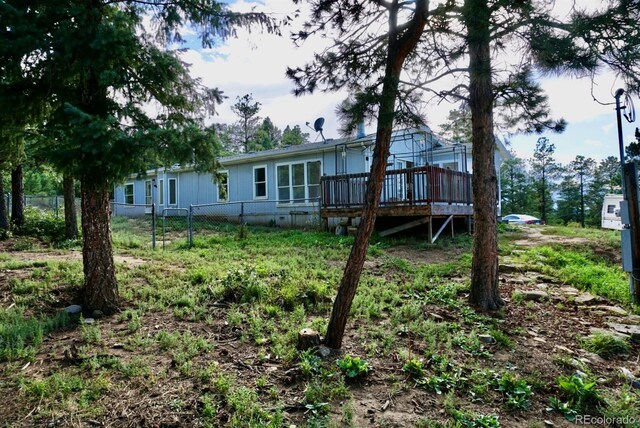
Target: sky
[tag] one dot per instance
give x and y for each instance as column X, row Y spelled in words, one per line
column 255, row 64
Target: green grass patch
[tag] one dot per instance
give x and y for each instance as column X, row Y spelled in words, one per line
column 20, row 335
column 581, row 269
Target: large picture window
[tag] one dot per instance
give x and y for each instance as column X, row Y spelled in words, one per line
column 259, row 182
column 223, row 186
column 173, row 191
column 298, row 182
column 128, row 193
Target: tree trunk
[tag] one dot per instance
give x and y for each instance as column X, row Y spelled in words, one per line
column 70, row 216
column 4, row 218
column 17, row 197
column 484, row 294
column 100, row 286
column 398, row 49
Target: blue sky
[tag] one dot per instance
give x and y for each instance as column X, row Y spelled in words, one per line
column 255, row 63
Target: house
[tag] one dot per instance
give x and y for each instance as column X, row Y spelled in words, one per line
column 304, row 184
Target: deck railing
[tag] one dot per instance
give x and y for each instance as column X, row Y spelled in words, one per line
column 402, row 187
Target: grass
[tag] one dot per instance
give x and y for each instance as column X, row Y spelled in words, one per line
column 21, row 335
column 580, row 268
column 606, row 345
column 210, row 332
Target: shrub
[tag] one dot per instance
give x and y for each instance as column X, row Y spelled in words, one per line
column 42, row 224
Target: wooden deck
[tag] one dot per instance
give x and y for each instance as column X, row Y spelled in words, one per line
column 421, row 191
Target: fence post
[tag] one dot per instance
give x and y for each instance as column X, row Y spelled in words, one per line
column 164, row 229
column 56, row 204
column 241, row 212
column 190, row 222
column 153, row 225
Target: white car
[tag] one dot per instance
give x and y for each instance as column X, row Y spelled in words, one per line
column 521, row 219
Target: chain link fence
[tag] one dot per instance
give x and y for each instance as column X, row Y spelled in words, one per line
column 183, row 225
column 208, row 219
column 133, row 224
column 54, row 204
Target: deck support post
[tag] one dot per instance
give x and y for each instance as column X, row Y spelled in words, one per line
column 449, row 219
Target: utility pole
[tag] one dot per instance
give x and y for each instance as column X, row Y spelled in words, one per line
column 629, row 208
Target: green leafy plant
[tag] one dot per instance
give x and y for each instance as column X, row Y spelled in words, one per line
column 353, row 367
column 517, row 392
column 414, row 367
column 309, row 363
column 580, row 396
column 468, row 420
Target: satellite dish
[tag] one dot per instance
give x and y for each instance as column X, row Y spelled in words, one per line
column 317, row 125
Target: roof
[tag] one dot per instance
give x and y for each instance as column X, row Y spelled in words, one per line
column 368, row 139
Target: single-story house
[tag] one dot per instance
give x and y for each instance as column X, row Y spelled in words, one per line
column 296, row 185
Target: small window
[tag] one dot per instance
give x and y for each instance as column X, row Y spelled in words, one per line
column 259, row 182
column 611, row 209
column 173, row 191
column 161, row 192
column 148, row 199
column 223, row 186
column 128, row 193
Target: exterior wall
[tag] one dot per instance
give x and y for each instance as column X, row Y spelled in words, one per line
column 202, row 191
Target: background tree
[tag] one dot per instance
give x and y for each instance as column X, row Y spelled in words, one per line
column 294, row 136
column 524, row 36
column 103, row 67
column 247, row 110
column 17, row 196
column 583, row 168
column 568, row 200
column 267, row 137
column 633, row 149
column 545, row 171
column 608, row 173
column 457, row 128
column 517, row 190
column 4, row 215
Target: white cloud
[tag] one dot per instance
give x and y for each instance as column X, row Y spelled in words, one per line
column 593, row 143
column 607, row 128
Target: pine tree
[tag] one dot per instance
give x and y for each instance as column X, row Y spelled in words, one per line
column 103, row 67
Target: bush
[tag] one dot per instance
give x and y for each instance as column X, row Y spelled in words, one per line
column 42, row 224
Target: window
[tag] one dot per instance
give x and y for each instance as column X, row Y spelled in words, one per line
column 611, row 209
column 298, row 182
column 161, row 192
column 173, row 191
column 128, row 193
column 259, row 182
column 148, row 200
column 223, row 186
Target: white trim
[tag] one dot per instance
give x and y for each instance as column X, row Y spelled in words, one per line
column 133, row 193
column 266, row 181
column 161, row 195
column 289, row 202
column 148, row 198
column 222, row 172
column 169, row 203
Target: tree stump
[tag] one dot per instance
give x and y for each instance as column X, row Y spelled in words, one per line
column 308, row 338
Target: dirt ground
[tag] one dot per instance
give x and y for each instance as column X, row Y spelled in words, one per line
column 542, row 330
